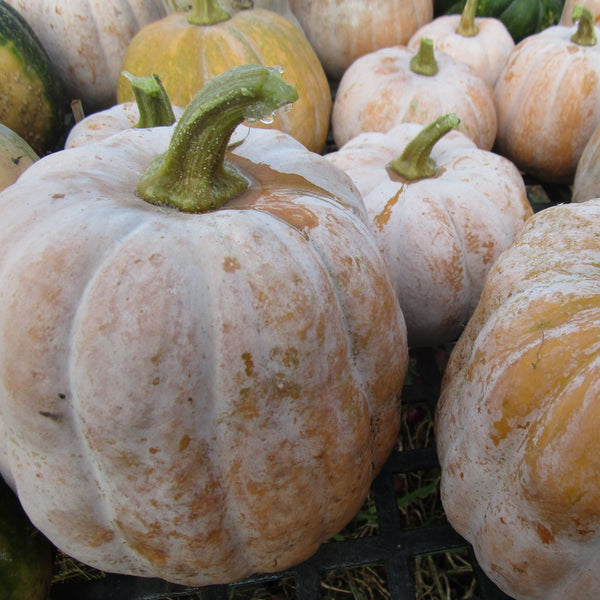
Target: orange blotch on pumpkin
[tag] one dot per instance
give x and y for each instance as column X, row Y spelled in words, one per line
column 231, row 264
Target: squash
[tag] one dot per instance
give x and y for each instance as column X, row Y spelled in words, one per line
column 566, row 18
column 397, row 84
column 518, row 415
column 15, row 156
column 547, row 100
column 203, row 377
column 25, row 555
column 32, row 103
column 483, row 43
column 441, row 211
column 343, row 30
column 521, row 17
column 151, row 108
column 86, row 40
column 256, row 36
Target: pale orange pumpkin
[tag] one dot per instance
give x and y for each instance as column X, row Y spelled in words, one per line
column 440, row 216
column 343, row 30
column 201, row 349
column 86, row 41
column 396, row 85
column 518, row 415
column 484, row 43
column 547, row 99
column 187, row 49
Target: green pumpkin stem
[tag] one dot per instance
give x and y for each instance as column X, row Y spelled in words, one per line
column 423, row 62
column 467, row 26
column 416, row 162
column 586, row 33
column 152, row 101
column 207, row 12
column 193, row 175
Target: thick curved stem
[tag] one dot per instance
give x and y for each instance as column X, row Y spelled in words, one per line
column 467, row 26
column 152, row 101
column 423, row 62
column 207, row 12
column 416, row 162
column 193, row 175
column 586, row 33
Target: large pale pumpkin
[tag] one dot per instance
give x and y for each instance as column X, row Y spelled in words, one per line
column 398, row 84
column 548, row 99
column 518, row 417
column 343, row 30
column 187, row 49
column 440, row 216
column 195, row 395
column 86, row 40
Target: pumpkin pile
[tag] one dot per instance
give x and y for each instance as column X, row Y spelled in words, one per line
column 213, row 275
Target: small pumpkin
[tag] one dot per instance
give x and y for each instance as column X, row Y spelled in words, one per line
column 86, row 40
column 521, row 17
column 398, row 84
column 441, row 210
column 32, row 103
column 518, row 414
column 483, row 43
column 15, row 156
column 151, row 108
column 593, row 6
column 171, row 48
column 343, row 30
column 202, row 379
column 547, row 99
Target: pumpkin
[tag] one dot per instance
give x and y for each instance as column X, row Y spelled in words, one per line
column 201, row 347
column 441, row 210
column 15, row 156
column 517, row 419
column 397, row 84
column 343, row 30
column 586, row 183
column 223, row 41
column 566, row 18
column 483, row 43
column 25, row 555
column 86, row 41
column 521, row 17
column 151, row 108
column 32, row 103
column 547, row 100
